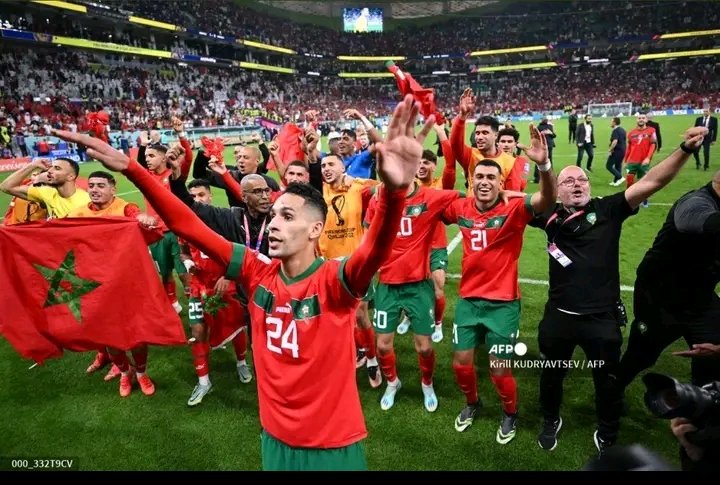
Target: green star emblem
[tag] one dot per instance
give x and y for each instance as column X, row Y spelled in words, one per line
column 66, row 287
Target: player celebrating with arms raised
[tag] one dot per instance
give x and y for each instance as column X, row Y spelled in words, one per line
column 301, row 305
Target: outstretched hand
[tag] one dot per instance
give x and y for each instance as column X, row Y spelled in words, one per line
column 111, row 158
column 538, row 149
column 400, row 153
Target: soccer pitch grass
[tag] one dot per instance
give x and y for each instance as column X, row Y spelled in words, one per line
column 55, row 410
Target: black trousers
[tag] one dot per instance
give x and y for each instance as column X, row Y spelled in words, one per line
column 600, row 338
column 571, row 132
column 614, row 165
column 706, row 154
column 655, row 328
column 586, row 147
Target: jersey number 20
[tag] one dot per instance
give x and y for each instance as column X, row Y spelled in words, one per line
column 288, row 337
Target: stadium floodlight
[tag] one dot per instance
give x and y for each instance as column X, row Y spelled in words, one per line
column 313, row 73
column 696, row 33
column 63, row 5
column 510, row 50
column 371, row 58
column 670, row 55
column 152, row 23
column 265, row 67
column 441, row 73
column 515, row 67
column 365, row 74
column 262, row 45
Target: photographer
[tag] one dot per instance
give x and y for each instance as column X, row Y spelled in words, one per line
column 584, row 305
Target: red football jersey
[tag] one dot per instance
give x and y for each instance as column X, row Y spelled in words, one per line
column 208, row 271
column 164, row 179
column 440, row 236
column 303, row 349
column 410, row 260
column 492, row 241
column 639, row 142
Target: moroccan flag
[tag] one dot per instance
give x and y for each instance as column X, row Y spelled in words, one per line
column 425, row 96
column 289, row 145
column 79, row 284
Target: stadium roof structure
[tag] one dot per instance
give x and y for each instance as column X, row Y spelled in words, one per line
column 395, row 10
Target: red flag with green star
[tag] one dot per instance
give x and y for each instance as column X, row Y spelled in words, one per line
column 79, row 284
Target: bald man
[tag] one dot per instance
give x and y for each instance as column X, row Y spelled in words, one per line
column 247, row 160
column 245, row 224
column 584, row 306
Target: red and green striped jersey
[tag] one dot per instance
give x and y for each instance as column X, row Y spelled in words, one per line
column 492, row 241
column 410, row 259
column 303, row 349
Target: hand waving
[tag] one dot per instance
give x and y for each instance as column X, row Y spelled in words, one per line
column 400, row 152
column 467, row 104
column 538, row 149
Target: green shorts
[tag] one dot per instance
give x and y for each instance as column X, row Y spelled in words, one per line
column 370, row 295
column 418, row 301
column 196, row 313
column 277, row 456
column 496, row 323
column 166, row 254
column 638, row 169
column 439, row 259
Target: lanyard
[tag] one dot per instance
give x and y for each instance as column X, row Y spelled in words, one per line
column 247, row 232
column 555, row 216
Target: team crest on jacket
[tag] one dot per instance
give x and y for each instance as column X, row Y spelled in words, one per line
column 591, row 218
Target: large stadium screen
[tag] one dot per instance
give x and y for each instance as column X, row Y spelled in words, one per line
column 363, row 19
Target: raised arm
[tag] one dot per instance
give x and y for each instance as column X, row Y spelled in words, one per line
column 466, row 108
column 176, row 215
column 373, row 134
column 14, row 184
column 662, row 173
column 538, row 153
column 399, row 158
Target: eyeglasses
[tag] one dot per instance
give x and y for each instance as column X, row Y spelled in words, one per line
column 570, row 181
column 258, row 192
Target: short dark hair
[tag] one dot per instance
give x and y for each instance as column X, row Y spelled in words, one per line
column 490, row 121
column 486, row 162
column 312, row 196
column 429, row 156
column 103, row 175
column 73, row 164
column 199, row 183
column 298, row 163
column 616, row 120
column 350, row 133
column 509, row 132
column 587, row 114
column 158, row 147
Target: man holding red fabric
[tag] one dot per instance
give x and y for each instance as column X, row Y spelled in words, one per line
column 104, row 203
column 302, row 305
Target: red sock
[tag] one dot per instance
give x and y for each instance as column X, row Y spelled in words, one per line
column 240, row 345
column 466, row 378
column 387, row 365
column 170, row 290
column 506, row 387
column 201, row 352
column 121, row 361
column 427, row 366
column 369, row 341
column 630, row 179
column 439, row 309
column 140, row 356
column 359, row 338
column 104, row 355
